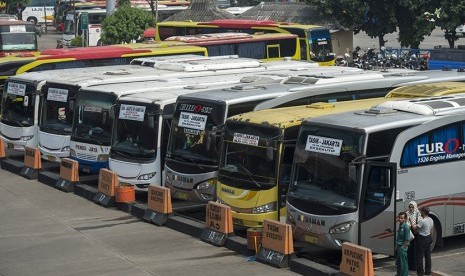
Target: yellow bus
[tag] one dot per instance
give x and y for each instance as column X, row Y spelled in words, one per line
column 258, row 151
column 83, row 57
column 315, row 41
column 266, row 47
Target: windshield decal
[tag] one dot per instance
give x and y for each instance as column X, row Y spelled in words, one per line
column 93, row 109
column 246, row 139
column 57, row 95
column 196, row 108
column 132, row 112
column 18, row 29
column 16, row 89
column 191, row 120
column 323, row 145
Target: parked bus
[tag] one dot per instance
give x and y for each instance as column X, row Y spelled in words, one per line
column 39, row 12
column 56, row 119
column 84, row 57
column 192, row 171
column 22, row 99
column 352, row 173
column 315, row 41
column 259, row 147
column 89, row 97
column 131, row 169
column 72, row 26
column 17, row 38
column 262, row 46
column 446, row 58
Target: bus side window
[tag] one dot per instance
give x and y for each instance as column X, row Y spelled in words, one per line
column 378, row 192
column 286, row 165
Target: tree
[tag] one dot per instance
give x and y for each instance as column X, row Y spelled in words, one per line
column 375, row 17
column 449, row 15
column 412, row 21
column 125, row 25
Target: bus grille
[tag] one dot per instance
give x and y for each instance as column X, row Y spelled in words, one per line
column 86, row 157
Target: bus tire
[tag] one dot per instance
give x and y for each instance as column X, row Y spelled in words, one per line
column 437, row 234
column 32, row 19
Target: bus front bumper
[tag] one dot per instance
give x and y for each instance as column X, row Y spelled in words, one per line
column 252, row 220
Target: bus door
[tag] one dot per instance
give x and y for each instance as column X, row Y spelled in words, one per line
column 377, row 227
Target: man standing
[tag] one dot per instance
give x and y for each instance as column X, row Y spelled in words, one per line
column 402, row 242
column 424, row 240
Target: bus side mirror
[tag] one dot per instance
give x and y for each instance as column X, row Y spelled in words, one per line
column 111, row 112
column 26, row 101
column 209, row 141
column 269, row 153
column 71, row 105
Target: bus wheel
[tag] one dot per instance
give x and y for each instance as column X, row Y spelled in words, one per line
column 33, row 20
column 437, row 235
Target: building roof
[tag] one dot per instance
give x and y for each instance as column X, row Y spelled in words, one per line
column 290, row 12
column 201, row 11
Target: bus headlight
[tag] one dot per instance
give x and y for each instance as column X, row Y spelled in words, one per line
column 290, row 219
column 26, row 138
column 72, row 152
column 102, row 158
column 146, row 176
column 167, row 181
column 206, row 184
column 65, row 149
column 270, row 207
column 342, row 228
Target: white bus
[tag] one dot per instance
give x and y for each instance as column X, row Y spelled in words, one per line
column 141, row 164
column 72, row 26
column 353, row 172
column 39, row 12
column 92, row 157
column 192, row 172
column 166, row 72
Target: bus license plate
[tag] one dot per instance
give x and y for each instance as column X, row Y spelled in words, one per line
column 50, row 158
column 86, row 170
column 311, row 239
column 181, row 195
column 10, row 146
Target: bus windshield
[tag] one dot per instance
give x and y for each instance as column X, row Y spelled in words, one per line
column 135, row 133
column 247, row 164
column 10, row 41
column 92, row 123
column 18, row 104
column 322, row 178
column 192, row 123
column 320, row 45
column 57, row 110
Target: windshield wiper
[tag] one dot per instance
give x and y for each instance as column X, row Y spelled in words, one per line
column 250, row 176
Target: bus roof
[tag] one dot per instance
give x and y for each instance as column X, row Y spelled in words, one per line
column 237, row 23
column 393, row 114
column 286, row 117
column 167, row 69
column 231, row 38
column 9, row 22
column 290, row 116
column 100, row 52
column 431, row 89
column 369, row 81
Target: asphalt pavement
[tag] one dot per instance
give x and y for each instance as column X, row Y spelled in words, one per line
column 44, row 231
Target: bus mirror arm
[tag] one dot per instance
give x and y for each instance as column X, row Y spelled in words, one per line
column 269, row 153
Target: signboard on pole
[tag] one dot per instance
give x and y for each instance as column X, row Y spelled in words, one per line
column 84, row 21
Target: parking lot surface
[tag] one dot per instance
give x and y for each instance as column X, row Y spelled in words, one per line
column 44, row 231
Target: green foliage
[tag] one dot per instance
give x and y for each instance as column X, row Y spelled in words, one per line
column 413, row 19
column 76, row 42
column 125, row 25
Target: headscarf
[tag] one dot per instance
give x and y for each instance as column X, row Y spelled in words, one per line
column 415, row 215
